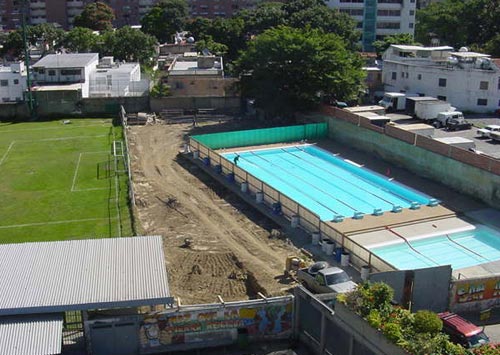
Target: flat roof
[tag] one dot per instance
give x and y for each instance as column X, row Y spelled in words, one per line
column 422, row 98
column 74, row 60
column 404, row 47
column 48, row 277
column 31, row 335
column 454, row 140
column 470, row 55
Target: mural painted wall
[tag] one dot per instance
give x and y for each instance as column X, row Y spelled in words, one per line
column 476, row 293
column 222, row 325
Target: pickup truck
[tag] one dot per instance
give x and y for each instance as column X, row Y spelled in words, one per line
column 486, row 131
column 322, row 278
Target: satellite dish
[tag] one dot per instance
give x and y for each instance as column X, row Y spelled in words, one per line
column 190, row 39
column 206, row 52
column 463, row 49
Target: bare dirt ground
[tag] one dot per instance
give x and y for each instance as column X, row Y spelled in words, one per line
column 232, row 254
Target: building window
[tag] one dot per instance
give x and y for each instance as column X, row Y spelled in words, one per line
column 412, row 12
column 419, row 76
column 498, row 103
column 70, row 72
column 483, row 85
column 482, row 102
column 442, row 82
column 498, row 83
column 410, row 25
column 4, row 83
column 16, row 81
column 394, row 75
column 389, row 13
column 52, row 72
column 442, row 98
column 389, row 25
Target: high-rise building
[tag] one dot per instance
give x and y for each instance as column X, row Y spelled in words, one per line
column 379, row 18
column 63, row 12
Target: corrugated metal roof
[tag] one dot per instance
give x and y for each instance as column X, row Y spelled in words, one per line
column 51, row 277
column 74, row 60
column 31, row 335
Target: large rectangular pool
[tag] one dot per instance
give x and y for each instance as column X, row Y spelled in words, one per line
column 326, row 184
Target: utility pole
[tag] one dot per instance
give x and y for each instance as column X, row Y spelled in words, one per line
column 29, row 95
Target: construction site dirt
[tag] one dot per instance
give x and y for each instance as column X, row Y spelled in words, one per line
column 215, row 244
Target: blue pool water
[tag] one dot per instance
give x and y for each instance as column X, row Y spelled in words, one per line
column 460, row 250
column 326, row 184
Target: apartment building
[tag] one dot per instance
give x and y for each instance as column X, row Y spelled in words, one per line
column 63, row 12
column 469, row 81
column 218, row 8
column 379, row 18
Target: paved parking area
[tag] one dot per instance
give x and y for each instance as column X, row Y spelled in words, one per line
column 487, row 146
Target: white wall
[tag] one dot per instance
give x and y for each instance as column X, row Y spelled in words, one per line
column 15, row 78
column 462, row 88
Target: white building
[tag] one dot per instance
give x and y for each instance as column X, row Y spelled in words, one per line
column 12, row 82
column 115, row 79
column 72, row 70
column 469, row 81
column 379, row 18
column 84, row 72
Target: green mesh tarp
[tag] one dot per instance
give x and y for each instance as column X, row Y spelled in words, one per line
column 263, row 136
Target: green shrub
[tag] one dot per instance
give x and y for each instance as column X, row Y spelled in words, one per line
column 374, row 319
column 393, row 332
column 427, row 322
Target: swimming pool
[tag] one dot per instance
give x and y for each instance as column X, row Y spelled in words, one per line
column 326, row 184
column 460, row 250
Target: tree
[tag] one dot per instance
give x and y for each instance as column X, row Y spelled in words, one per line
column 48, row 33
column 316, row 14
column 459, row 22
column 81, row 40
column 399, row 38
column 263, row 17
column 287, row 69
column 128, row 44
column 13, row 45
column 97, row 16
column 165, row 18
column 492, row 47
column 214, row 47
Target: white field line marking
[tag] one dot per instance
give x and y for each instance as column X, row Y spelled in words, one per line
column 76, row 172
column 90, row 189
column 7, row 152
column 67, row 138
column 55, row 222
column 52, row 128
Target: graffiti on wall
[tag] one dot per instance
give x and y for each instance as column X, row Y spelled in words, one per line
column 169, row 328
column 477, row 290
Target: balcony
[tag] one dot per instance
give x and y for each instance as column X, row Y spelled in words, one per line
column 37, row 5
column 74, row 4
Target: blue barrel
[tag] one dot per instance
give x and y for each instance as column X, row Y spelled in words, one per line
column 338, row 254
column 230, row 177
column 218, row 169
column 206, row 161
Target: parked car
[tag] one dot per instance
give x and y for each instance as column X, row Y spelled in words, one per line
column 323, row 278
column 461, row 331
column 485, row 132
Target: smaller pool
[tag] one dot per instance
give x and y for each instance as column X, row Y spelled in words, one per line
column 460, row 250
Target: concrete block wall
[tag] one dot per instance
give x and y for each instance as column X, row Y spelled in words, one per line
column 475, row 175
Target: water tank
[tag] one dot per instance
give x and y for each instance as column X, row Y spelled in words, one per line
column 463, row 49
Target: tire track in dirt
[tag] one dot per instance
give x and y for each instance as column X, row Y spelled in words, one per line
column 177, row 202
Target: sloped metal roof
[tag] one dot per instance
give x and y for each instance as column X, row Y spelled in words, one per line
column 48, row 277
column 31, row 335
column 72, row 60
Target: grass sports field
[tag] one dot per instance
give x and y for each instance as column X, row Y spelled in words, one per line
column 58, row 181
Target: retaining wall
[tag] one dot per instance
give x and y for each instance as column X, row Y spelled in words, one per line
column 472, row 174
column 223, row 104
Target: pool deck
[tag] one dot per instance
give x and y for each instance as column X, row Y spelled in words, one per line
column 411, row 232
column 389, row 219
